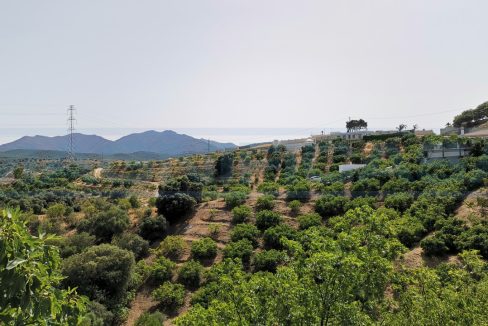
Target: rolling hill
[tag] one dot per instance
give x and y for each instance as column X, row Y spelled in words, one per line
column 165, row 142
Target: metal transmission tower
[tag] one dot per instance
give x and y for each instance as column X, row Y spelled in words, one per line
column 71, row 129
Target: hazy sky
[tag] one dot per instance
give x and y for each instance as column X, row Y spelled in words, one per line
column 241, row 64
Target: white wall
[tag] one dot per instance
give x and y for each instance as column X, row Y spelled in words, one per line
column 350, row 167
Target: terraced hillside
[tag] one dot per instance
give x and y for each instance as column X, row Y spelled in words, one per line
column 268, row 236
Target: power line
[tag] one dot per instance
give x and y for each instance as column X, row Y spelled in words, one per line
column 71, row 129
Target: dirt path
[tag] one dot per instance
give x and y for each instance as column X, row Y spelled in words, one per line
column 330, row 158
column 190, row 230
column 368, row 148
column 97, row 173
column 195, row 228
column 469, row 211
column 415, row 258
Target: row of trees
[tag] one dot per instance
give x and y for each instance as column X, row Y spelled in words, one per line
column 473, row 117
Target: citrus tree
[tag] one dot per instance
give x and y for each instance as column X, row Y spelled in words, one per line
column 30, row 278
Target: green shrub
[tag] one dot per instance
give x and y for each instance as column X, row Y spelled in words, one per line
column 309, row 220
column 97, row 314
column 75, row 244
column 205, row 248
column 400, row 201
column 104, row 225
column 409, row 230
column 56, row 211
column 134, row 202
column 360, row 202
column 245, row 231
column 268, row 260
column 190, row 274
column 329, row 205
column 175, row 206
column 366, row 187
column 187, row 184
column 235, row 198
column 266, row 219
column 152, row 228
column 150, row 319
column 265, row 203
column 241, row 249
column 295, row 206
column 298, row 191
column 214, row 231
column 100, row 272
column 269, row 188
column 162, row 270
column 241, row 214
column 169, row 295
column 274, row 235
column 223, row 165
column 124, row 203
column 474, row 179
column 476, row 238
column 172, row 247
column 132, row 242
column 434, row 246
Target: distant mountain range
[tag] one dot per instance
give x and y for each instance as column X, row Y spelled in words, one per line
column 165, row 143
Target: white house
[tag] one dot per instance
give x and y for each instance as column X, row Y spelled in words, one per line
column 350, row 167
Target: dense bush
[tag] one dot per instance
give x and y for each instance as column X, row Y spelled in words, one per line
column 223, row 165
column 97, row 314
column 245, row 231
column 309, row 220
column 162, row 270
column 152, row 228
column 205, row 248
column 360, row 202
column 132, row 242
column 56, row 211
column 100, row 272
column 265, row 202
column 434, row 246
column 105, row 224
column 134, row 202
column 268, row 260
column 190, row 274
column 400, row 201
column 170, row 296
column 475, row 179
column 475, row 238
column 241, row 214
column 150, row 319
column 329, row 205
column 172, row 247
column 365, row 187
column 188, row 185
column 266, row 219
column 75, row 244
column 235, row 198
column 269, row 188
column 298, row 191
column 335, row 188
column 409, row 230
column 241, row 249
column 274, row 235
column 294, row 206
column 175, row 206
column 396, row 185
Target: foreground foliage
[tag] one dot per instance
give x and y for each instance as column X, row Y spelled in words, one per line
column 30, row 277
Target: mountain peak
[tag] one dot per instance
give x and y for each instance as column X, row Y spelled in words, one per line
column 166, row 142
